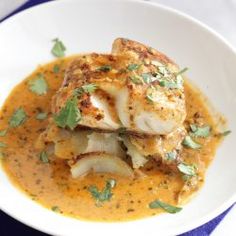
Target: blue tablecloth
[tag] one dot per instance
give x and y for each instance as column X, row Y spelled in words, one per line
column 10, row 226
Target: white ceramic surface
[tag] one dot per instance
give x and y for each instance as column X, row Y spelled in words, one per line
column 86, row 25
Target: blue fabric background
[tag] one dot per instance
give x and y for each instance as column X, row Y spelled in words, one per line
column 11, row 227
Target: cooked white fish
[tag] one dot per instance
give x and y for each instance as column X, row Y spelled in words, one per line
column 136, row 88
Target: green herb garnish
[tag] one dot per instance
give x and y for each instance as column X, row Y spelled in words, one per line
column 136, row 79
column 188, row 142
column 104, row 68
column 69, row 115
column 2, row 155
column 225, row 133
column 148, row 78
column 170, row 156
column 38, row 85
column 150, row 97
column 132, row 67
column 182, row 71
column 165, row 206
column 18, row 118
column 3, row 132
column 187, row 169
column 55, row 209
column 89, row 88
column 43, row 156
column 105, row 194
column 41, row 116
column 58, row 49
column 178, row 84
column 56, row 68
column 200, row 131
column 2, row 145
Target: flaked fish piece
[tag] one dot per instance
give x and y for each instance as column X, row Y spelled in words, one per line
column 136, row 88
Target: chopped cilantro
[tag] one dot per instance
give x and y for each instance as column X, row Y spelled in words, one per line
column 2, row 155
column 188, row 142
column 150, row 97
column 136, row 79
column 18, row 118
column 69, row 115
column 225, row 133
column 56, row 68
column 89, row 88
column 105, row 194
column 187, row 169
column 2, row 145
column 182, row 71
column 104, row 68
column 200, row 131
column 55, row 209
column 132, row 67
column 38, row 85
column 43, row 156
column 58, row 49
column 165, row 206
column 148, row 78
column 41, row 116
column 178, row 84
column 3, row 132
column 170, row 156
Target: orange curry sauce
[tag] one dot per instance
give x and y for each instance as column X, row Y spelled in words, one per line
column 51, row 184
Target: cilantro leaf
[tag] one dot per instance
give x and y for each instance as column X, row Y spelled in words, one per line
column 3, row 132
column 178, row 84
column 56, row 209
column 56, row 68
column 43, row 156
column 200, row 131
column 132, row 67
column 2, row 155
column 58, row 49
column 41, row 116
column 105, row 194
column 150, row 97
column 2, row 145
column 187, row 169
column 136, row 79
column 148, row 78
column 170, row 156
column 78, row 92
column 188, row 142
column 89, row 88
column 165, row 206
column 104, row 68
column 38, row 85
column 69, row 115
column 18, row 118
column 182, row 71
column 225, row 133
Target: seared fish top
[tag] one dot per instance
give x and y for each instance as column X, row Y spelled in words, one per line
column 135, row 87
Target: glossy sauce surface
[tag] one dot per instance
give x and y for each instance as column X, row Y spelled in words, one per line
column 51, row 184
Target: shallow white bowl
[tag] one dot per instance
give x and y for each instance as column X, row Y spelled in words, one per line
column 25, row 41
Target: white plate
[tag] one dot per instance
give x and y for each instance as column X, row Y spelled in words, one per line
column 25, row 41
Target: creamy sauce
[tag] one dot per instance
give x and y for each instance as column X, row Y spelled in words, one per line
column 51, row 184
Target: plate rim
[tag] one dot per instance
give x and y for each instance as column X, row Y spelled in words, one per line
column 181, row 229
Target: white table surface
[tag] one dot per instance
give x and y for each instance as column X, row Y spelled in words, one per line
column 219, row 15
